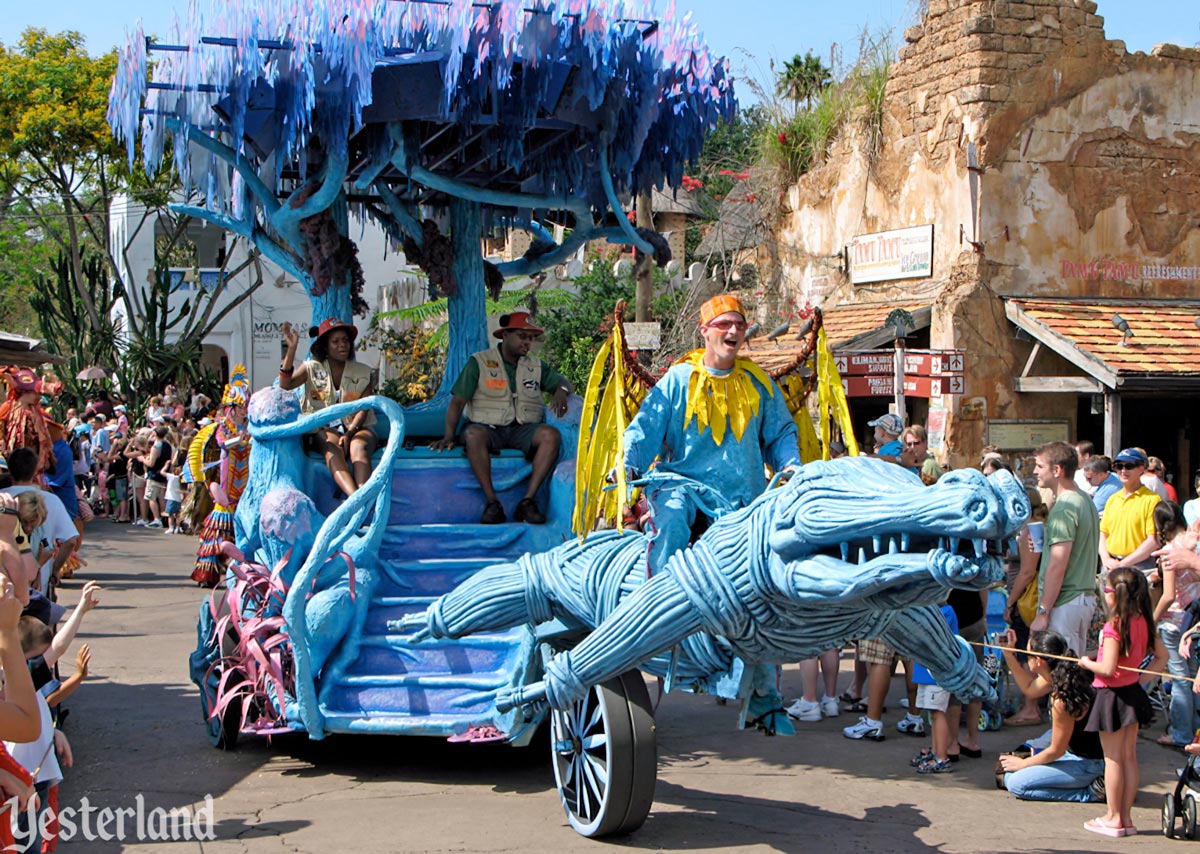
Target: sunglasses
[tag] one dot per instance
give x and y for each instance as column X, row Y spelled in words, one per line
column 913, row 443
column 1126, row 466
column 726, row 325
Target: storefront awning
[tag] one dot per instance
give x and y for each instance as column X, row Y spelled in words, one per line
column 1161, row 352
column 848, row 327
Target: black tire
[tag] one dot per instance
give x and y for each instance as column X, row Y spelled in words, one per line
column 223, row 731
column 605, row 758
column 1168, row 816
column 1189, row 817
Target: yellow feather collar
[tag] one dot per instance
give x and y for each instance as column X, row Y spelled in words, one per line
column 715, row 401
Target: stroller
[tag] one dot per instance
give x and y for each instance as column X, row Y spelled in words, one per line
column 1182, row 802
column 1007, row 698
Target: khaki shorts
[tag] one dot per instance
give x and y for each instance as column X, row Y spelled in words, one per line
column 155, row 490
column 933, row 698
column 875, row 651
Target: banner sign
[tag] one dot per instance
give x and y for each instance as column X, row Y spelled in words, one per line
column 905, row 253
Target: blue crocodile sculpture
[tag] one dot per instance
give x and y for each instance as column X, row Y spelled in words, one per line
column 770, row 583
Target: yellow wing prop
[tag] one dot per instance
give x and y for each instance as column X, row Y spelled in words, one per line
column 615, row 389
column 197, row 459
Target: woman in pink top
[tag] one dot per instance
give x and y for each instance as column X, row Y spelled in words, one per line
column 1121, row 704
column 1181, row 587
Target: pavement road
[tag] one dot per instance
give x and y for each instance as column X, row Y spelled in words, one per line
column 136, row 730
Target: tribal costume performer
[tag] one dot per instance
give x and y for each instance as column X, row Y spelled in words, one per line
column 232, row 472
column 23, row 422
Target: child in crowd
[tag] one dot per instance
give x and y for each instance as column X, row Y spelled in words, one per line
column 172, row 502
column 934, row 699
column 20, row 716
column 1121, row 704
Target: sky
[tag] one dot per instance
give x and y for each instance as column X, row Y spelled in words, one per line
column 751, row 33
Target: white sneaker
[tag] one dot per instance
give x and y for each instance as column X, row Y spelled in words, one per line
column 169, row 531
column 803, row 710
column 865, row 728
column 157, row 523
column 140, row 523
column 830, row 707
column 911, row 725
column 904, row 703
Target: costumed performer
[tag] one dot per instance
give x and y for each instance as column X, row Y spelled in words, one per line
column 23, row 422
column 719, row 420
column 233, row 470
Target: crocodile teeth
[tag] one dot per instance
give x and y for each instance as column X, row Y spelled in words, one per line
column 892, row 549
column 953, row 549
column 846, row 552
column 980, row 547
column 877, row 544
column 905, row 542
column 862, row 556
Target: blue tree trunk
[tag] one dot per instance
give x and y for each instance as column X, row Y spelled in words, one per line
column 468, row 306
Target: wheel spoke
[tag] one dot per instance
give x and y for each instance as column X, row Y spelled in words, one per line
column 594, row 788
column 593, row 720
column 595, row 742
column 598, row 767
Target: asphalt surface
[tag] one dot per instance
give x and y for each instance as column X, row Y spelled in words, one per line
column 136, row 729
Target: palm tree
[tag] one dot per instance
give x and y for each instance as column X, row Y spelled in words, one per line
column 802, row 78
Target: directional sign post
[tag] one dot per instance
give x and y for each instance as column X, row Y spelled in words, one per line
column 927, row 373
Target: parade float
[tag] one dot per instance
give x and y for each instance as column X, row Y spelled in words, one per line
column 375, row 614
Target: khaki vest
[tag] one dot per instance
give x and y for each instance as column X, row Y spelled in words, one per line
column 319, row 391
column 494, row 403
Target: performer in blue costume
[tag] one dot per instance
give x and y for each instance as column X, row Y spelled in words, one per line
column 718, row 420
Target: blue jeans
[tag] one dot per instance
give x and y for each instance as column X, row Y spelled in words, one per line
column 1181, row 715
column 1065, row 779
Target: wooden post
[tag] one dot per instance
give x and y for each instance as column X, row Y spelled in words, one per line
column 644, row 270
column 898, row 385
column 1112, row 422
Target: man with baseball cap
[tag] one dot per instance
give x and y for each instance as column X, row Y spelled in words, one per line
column 1127, row 530
column 502, row 391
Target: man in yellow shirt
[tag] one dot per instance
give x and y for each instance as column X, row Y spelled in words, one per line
column 1127, row 529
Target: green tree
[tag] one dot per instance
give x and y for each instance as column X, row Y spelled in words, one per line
column 60, row 169
column 803, row 78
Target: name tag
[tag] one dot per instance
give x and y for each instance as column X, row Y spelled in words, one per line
column 495, row 385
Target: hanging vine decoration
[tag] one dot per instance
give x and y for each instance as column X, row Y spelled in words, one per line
column 435, row 256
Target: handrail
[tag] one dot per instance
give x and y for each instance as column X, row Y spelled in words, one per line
column 342, row 524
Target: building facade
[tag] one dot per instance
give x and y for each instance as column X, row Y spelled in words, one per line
column 1060, row 177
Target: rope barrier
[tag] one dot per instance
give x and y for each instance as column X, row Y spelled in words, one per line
column 1076, row 660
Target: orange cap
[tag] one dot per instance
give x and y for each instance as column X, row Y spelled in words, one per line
column 718, row 305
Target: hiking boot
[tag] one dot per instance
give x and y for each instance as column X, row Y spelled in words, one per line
column 911, row 725
column 865, row 728
column 493, row 514
column 527, row 511
column 803, row 710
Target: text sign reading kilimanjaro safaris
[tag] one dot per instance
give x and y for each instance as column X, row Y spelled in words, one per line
column 906, row 253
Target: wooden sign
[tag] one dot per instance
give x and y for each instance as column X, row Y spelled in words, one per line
column 932, row 363
column 869, row 386
column 933, row 386
column 642, row 336
column 864, row 362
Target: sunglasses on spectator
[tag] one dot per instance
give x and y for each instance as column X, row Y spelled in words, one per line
column 912, row 443
column 725, row 325
column 1126, row 466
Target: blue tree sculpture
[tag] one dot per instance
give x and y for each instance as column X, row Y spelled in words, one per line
column 284, row 114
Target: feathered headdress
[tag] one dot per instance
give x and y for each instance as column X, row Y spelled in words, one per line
column 238, row 389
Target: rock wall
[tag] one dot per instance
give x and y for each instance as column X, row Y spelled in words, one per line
column 1088, row 185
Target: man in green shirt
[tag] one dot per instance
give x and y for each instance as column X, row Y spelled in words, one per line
column 1067, row 573
column 502, row 391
